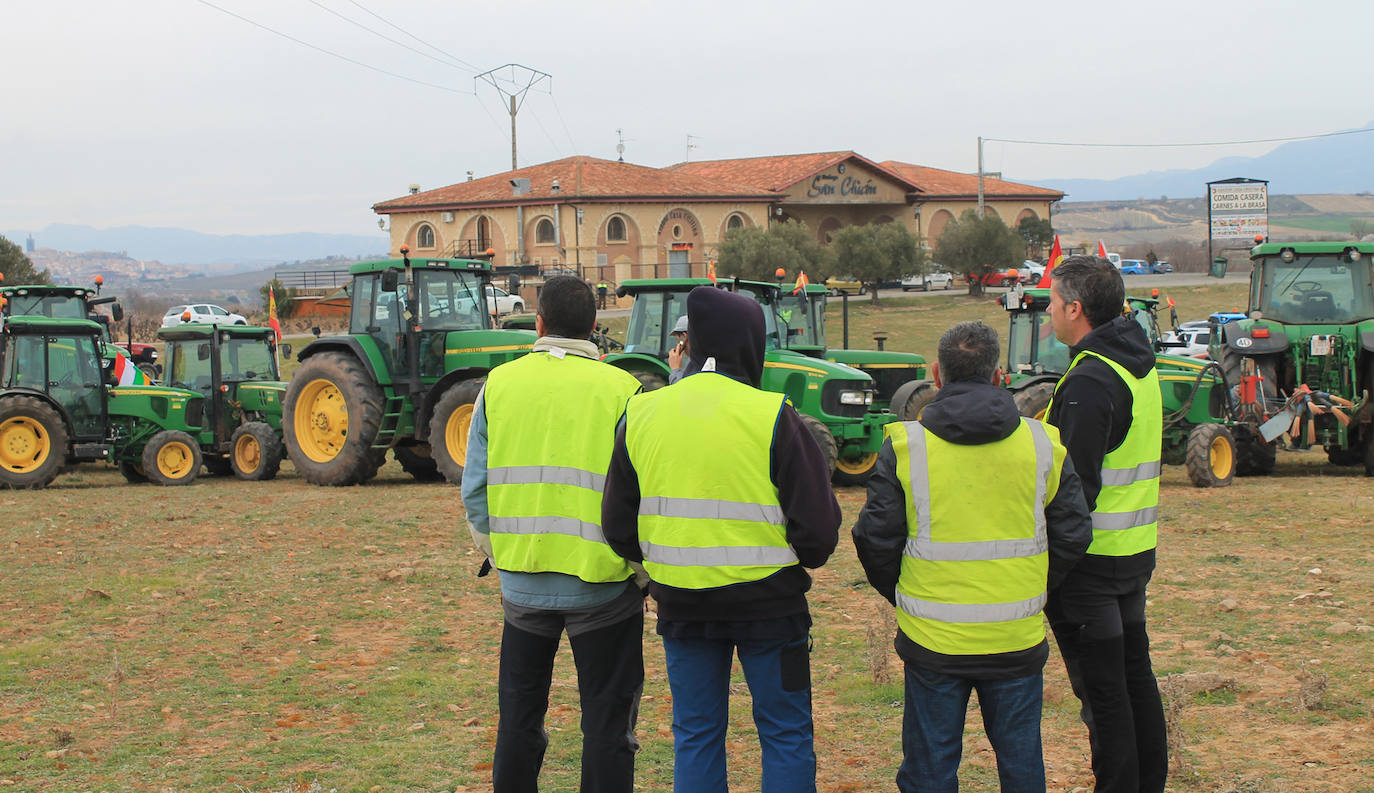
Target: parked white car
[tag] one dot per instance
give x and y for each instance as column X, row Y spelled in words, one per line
column 499, row 301
column 1193, row 336
column 1031, row 272
column 938, row 279
column 202, row 312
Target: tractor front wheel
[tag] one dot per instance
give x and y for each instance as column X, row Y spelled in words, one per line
column 133, row 473
column 448, row 429
column 821, row 433
column 1211, row 458
column 171, row 458
column 854, row 470
column 418, row 462
column 33, row 443
column 255, row 451
column 911, row 398
column 331, row 415
column 1032, row 401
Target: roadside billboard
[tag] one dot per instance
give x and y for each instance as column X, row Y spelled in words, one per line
column 1237, row 215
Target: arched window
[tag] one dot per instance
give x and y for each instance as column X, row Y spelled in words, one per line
column 543, row 232
column 615, row 229
column 827, row 230
column 735, row 222
column 424, row 236
column 483, row 233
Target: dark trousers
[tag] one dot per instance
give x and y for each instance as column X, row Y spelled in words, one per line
column 610, row 678
column 1099, row 623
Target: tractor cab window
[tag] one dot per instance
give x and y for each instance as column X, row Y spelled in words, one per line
column 57, row 306
column 802, row 320
column 75, row 381
column 188, row 365
column 449, row 300
column 772, row 323
column 25, row 363
column 1032, row 347
column 1317, row 289
column 649, row 329
column 243, row 359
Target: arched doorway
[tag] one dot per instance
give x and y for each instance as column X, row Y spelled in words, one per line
column 938, row 221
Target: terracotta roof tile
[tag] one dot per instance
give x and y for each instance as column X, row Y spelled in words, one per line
column 938, row 183
column 776, row 173
column 582, row 178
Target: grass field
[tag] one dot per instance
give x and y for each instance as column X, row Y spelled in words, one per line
column 234, row 636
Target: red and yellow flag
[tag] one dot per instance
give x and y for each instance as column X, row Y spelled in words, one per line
column 1056, row 256
column 272, row 313
column 711, row 270
column 802, row 282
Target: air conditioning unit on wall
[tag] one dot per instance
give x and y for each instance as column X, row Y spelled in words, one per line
column 447, row 217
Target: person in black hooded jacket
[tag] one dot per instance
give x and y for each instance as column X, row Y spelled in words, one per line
column 720, row 490
column 1098, row 614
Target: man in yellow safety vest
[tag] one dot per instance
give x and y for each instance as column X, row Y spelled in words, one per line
column 538, row 448
column 974, row 513
column 1107, row 408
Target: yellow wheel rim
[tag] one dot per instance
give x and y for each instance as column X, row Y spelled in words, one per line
column 175, row 460
column 321, row 421
column 456, row 433
column 1219, row 457
column 247, row 453
column 24, row 445
column 856, row 465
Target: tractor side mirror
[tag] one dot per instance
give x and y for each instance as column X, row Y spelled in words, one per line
column 285, row 350
column 117, row 311
column 390, row 280
column 202, row 352
column 316, row 331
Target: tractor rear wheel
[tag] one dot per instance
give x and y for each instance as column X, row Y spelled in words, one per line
column 1253, row 455
column 171, row 458
column 1033, row 400
column 255, row 451
column 418, row 462
column 1211, row 460
column 821, row 433
column 448, row 429
column 33, row 443
column 911, row 398
column 854, row 470
column 332, row 413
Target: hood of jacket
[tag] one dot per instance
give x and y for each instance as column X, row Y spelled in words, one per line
column 727, row 328
column 971, row 413
column 1123, row 341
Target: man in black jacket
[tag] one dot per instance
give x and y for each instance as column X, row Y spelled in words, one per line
column 972, row 514
column 1108, row 414
column 720, row 490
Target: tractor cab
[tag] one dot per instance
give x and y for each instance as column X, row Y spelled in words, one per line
column 1313, row 284
column 59, row 361
column 1032, row 348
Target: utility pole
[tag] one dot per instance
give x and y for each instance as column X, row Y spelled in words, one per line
column 513, row 82
column 980, row 175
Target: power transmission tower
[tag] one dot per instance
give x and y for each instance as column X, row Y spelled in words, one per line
column 512, row 82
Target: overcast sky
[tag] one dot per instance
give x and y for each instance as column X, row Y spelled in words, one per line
column 172, row 113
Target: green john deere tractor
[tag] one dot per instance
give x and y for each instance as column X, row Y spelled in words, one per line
column 1197, row 430
column 79, row 302
column 56, row 409
column 234, row 367
column 834, row 400
column 420, row 343
column 1301, row 368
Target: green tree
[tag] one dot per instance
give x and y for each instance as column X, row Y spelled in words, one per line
column 756, row 254
column 971, row 245
column 878, row 253
column 1036, row 232
column 286, row 299
column 18, row 268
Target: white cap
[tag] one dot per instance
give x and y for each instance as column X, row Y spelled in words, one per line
column 681, row 326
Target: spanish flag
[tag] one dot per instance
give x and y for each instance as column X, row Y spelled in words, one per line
column 711, row 270
column 802, row 281
column 1056, row 256
column 272, row 312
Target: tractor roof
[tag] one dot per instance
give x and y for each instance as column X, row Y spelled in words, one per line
column 47, row 289
column 203, row 330
column 64, row 327
column 1307, row 248
column 420, row 263
column 685, row 284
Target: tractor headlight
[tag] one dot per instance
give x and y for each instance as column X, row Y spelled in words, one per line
column 1287, row 255
column 856, row 398
column 152, row 355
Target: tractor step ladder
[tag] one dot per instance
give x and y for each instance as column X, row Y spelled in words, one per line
column 391, row 422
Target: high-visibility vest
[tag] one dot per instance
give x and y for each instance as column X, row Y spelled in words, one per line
column 1126, row 517
column 976, row 563
column 551, row 425
column 709, row 514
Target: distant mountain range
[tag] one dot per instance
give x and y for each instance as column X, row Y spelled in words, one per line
column 1338, row 164
column 179, row 246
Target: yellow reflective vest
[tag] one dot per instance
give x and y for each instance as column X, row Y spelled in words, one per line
column 709, row 515
column 551, row 424
column 976, row 565
column 1126, row 517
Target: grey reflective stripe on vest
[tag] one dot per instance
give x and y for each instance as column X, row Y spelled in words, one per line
column 970, row 612
column 552, row 524
column 1120, row 521
column 712, row 509
column 923, row 547
column 546, row 475
column 718, row 556
column 1120, row 477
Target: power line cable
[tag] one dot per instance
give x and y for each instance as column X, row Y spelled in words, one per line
column 559, row 111
column 361, row 26
column 1177, row 145
column 499, row 131
column 331, row 53
column 442, row 52
column 557, row 149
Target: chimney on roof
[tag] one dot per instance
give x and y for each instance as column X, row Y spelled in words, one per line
column 469, row 176
column 520, row 186
column 414, row 188
column 553, row 188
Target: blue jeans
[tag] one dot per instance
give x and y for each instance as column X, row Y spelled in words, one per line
column 933, row 731
column 779, row 678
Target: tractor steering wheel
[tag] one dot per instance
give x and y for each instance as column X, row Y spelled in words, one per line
column 1307, row 286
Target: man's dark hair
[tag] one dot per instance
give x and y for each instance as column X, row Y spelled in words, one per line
column 969, row 351
column 1093, row 282
column 568, row 307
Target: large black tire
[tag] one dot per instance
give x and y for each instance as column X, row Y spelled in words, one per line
column 650, row 380
column 911, row 398
column 33, row 443
column 1355, row 455
column 854, row 470
column 150, row 370
column 1254, row 457
column 418, row 462
column 255, row 452
column 1033, row 400
column 171, row 458
column 448, row 429
column 133, row 473
column 331, row 416
column 1211, row 459
column 824, row 440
